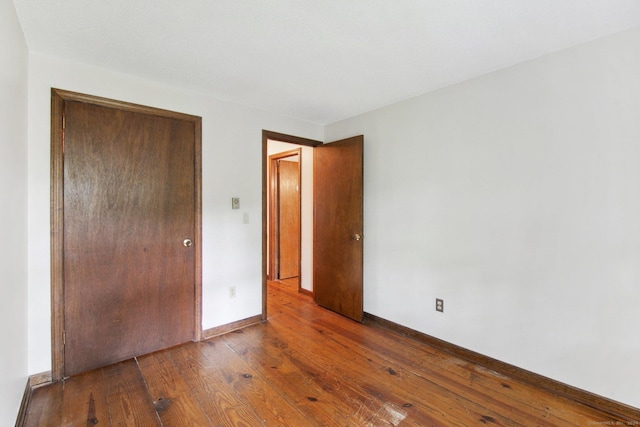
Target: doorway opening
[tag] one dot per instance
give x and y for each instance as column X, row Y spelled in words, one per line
column 331, row 221
column 287, row 240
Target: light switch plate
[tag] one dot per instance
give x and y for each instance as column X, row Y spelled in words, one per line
column 235, row 203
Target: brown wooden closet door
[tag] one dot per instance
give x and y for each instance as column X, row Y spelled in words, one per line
column 129, row 189
column 289, row 218
column 338, row 224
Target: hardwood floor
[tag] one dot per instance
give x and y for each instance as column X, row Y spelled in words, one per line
column 304, row 367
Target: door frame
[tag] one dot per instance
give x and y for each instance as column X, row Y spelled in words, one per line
column 281, row 137
column 58, row 99
column 274, row 216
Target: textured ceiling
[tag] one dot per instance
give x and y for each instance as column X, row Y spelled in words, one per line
column 316, row 60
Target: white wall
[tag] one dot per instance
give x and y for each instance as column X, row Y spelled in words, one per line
column 231, row 167
column 13, row 213
column 306, row 207
column 515, row 197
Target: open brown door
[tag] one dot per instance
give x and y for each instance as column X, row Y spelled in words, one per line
column 338, row 227
column 130, row 231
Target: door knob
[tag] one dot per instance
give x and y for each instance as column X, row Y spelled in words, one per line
column 357, row 237
column 187, row 243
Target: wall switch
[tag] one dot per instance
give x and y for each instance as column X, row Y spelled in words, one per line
column 232, row 291
column 440, row 305
column 245, row 218
column 235, row 203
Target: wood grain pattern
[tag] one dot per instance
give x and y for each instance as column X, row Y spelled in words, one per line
column 306, row 366
column 128, row 189
column 126, row 391
column 172, row 398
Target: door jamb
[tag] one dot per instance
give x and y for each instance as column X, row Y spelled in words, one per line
column 58, row 99
column 274, row 136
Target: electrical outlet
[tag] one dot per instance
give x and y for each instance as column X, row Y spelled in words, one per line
column 440, row 305
column 232, row 291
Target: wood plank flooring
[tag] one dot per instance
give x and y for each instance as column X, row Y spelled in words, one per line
column 304, row 367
